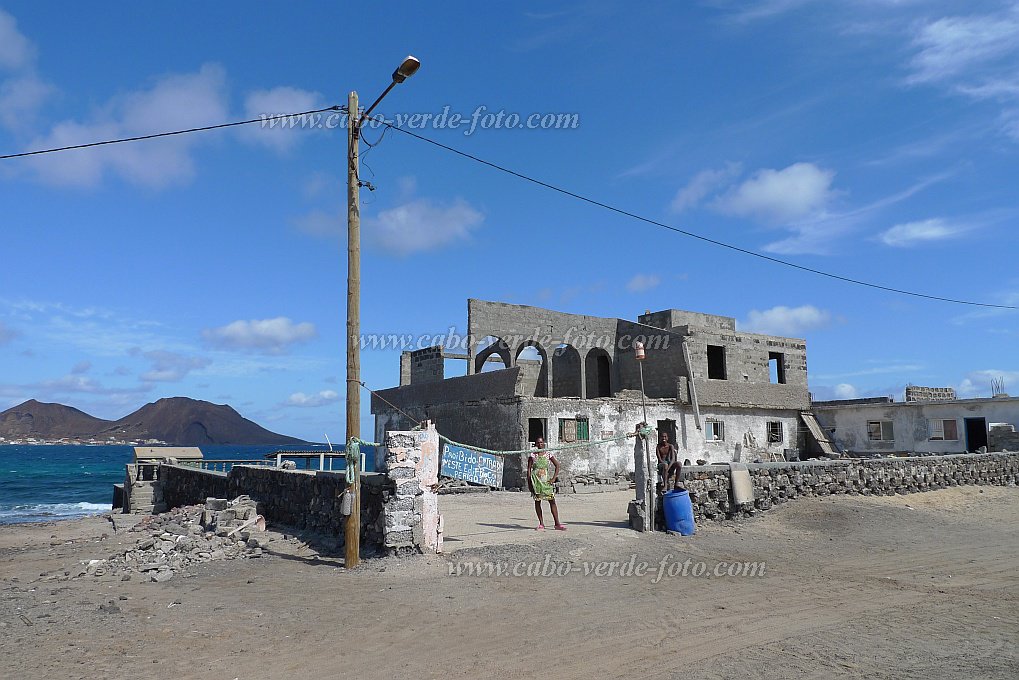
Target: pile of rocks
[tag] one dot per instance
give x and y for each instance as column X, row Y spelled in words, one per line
column 186, row 536
column 594, row 483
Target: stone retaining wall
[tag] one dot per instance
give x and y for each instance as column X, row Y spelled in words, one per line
column 306, row 500
column 778, row 482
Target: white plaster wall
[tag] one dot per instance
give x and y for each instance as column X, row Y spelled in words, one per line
column 910, row 423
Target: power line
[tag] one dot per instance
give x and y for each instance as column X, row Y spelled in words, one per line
column 690, row 234
column 168, row 134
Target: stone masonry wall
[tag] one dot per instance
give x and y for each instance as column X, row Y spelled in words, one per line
column 305, row 500
column 779, row 482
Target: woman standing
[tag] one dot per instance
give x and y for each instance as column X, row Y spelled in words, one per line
column 541, row 485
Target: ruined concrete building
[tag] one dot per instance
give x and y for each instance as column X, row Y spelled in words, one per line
column 722, row 395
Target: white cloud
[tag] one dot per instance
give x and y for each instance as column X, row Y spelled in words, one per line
column 642, row 282
column 845, row 391
column 978, row 383
column 270, row 336
column 16, row 51
column 421, row 224
column 780, row 196
column 172, row 103
column 954, row 47
column 924, row 231
column 170, row 366
column 276, row 101
column 702, row 184
column 786, row 321
column 817, row 233
column 303, row 400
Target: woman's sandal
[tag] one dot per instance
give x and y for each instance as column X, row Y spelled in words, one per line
column 560, row 527
column 540, row 527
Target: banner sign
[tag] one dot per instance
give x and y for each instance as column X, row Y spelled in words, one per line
column 471, row 466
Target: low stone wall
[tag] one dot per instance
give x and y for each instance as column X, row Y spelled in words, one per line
column 306, row 500
column 779, row 482
column 399, row 505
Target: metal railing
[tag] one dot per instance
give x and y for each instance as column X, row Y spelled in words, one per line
column 224, row 465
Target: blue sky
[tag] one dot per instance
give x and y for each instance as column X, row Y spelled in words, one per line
column 877, row 139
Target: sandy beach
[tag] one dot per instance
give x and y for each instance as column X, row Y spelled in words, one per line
column 918, row 586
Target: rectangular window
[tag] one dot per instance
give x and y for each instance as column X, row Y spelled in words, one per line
column 574, row 429
column 716, row 362
column 880, row 431
column 714, row 431
column 774, row 432
column 776, row 367
column 943, row 430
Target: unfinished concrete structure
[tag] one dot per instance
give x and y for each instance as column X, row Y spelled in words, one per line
column 721, row 394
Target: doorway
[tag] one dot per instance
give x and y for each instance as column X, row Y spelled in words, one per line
column 536, row 428
column 976, row 433
column 669, row 428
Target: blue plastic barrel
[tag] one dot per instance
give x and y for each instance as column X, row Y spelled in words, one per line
column 679, row 512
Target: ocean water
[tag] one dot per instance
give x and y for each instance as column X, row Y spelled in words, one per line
column 46, row 483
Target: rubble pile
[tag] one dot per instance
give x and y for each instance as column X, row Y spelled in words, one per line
column 186, row 536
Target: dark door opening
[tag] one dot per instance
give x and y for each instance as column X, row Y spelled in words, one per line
column 976, row 433
column 535, row 428
column 669, row 428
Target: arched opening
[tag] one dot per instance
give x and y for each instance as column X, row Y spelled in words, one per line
column 598, row 373
column 489, row 352
column 533, row 363
column 566, row 372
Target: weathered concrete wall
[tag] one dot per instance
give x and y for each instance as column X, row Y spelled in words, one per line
column 848, row 422
column 776, row 483
column 611, row 417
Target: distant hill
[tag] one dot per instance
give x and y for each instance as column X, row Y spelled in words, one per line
column 178, row 421
column 37, row 419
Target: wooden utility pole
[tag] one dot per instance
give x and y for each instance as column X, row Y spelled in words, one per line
column 352, row 532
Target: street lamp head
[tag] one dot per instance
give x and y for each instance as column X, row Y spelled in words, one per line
column 638, row 349
column 408, row 68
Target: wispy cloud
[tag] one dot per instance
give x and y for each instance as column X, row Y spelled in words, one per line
column 23, row 92
column 302, row 400
column 278, row 100
column 978, row 383
column 171, row 366
column 924, row 231
column 786, row 321
column 955, row 48
column 703, row 184
column 414, row 225
column 174, row 102
column 643, row 282
column 270, row 336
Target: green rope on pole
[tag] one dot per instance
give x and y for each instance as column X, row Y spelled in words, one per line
column 353, row 457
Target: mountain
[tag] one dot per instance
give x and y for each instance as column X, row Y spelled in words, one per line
column 47, row 421
column 178, row 421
